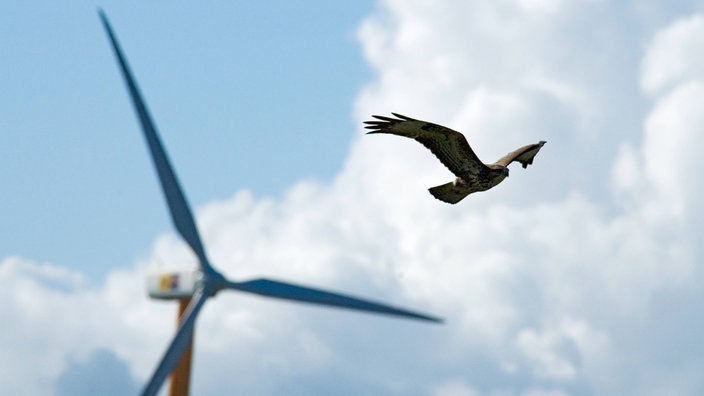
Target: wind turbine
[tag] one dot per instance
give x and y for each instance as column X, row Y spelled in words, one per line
column 206, row 281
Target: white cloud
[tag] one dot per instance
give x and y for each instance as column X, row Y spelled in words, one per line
column 552, row 283
column 674, row 55
column 551, row 355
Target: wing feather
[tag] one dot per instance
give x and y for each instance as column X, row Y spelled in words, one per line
column 524, row 155
column 449, row 146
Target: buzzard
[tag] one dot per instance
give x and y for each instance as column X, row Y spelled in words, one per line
column 453, row 150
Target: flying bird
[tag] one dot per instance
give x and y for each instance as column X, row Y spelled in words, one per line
column 453, row 150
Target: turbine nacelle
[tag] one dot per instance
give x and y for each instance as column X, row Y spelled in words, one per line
column 173, row 285
column 183, row 283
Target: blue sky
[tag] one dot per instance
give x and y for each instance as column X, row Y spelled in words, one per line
column 580, row 275
column 244, row 94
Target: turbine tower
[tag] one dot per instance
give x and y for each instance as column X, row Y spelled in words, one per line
column 194, row 288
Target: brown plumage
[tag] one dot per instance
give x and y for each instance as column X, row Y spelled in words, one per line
column 453, row 150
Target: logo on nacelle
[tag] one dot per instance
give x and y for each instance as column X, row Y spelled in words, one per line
column 168, row 282
column 172, row 284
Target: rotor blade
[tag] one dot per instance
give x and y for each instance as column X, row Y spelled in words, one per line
column 178, row 206
column 178, row 344
column 288, row 291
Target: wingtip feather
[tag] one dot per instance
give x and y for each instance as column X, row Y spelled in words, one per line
column 403, row 117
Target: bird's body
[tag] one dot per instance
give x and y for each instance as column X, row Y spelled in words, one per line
column 453, row 150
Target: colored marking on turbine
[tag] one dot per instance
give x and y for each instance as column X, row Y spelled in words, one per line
column 168, row 282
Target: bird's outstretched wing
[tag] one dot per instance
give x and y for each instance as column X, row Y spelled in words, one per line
column 524, row 155
column 451, row 147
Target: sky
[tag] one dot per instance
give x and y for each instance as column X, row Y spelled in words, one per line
column 207, row 72
column 577, row 276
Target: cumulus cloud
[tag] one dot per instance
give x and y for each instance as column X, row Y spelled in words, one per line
column 673, row 55
column 102, row 373
column 569, row 278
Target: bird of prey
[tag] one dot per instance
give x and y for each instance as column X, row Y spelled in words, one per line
column 453, row 150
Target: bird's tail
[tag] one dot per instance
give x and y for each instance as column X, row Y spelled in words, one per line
column 449, row 192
